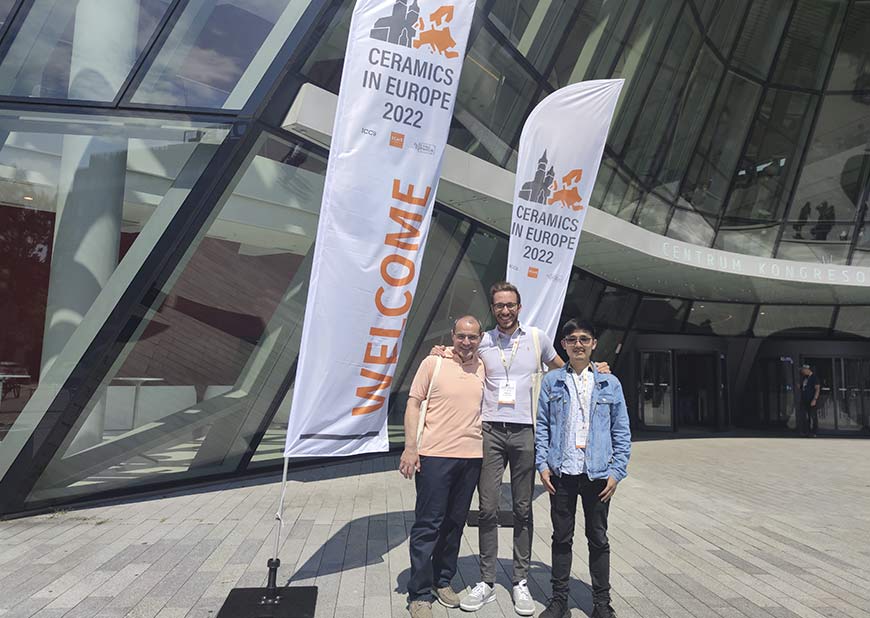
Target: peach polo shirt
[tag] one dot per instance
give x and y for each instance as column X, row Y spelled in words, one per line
column 452, row 427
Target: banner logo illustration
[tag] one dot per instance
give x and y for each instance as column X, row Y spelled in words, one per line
column 540, row 188
column 406, row 27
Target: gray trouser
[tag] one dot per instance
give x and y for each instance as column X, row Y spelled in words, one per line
column 505, row 443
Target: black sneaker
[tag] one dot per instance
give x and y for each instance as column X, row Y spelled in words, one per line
column 603, row 610
column 557, row 608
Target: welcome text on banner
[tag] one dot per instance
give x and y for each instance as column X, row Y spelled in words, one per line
column 395, row 104
column 560, row 151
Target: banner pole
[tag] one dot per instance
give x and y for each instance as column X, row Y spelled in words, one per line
column 280, row 514
column 272, row 602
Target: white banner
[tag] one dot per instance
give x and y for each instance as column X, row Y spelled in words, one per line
column 395, row 104
column 560, row 151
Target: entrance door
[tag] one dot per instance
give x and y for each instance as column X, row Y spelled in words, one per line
column 849, row 414
column 865, row 392
column 697, row 392
column 827, row 406
column 656, row 405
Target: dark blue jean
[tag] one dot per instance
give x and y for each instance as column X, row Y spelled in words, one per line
column 445, row 486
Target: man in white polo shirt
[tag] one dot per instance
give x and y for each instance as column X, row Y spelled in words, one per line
column 512, row 356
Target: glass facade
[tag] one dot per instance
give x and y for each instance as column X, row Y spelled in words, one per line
column 156, row 222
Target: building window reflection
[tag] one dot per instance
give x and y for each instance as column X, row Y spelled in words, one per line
column 218, row 52
column 78, row 49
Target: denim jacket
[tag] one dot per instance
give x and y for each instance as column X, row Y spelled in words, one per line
column 608, row 446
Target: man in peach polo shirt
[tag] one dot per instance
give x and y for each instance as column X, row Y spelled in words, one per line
column 445, row 465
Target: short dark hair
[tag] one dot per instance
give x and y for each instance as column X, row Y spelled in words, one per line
column 575, row 324
column 503, row 286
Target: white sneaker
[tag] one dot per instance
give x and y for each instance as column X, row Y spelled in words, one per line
column 523, row 603
column 479, row 596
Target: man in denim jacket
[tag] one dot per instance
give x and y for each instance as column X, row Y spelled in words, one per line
column 583, row 443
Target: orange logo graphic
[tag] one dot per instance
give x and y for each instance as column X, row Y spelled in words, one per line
column 397, row 140
column 439, row 40
column 545, row 189
column 405, row 26
column 533, row 272
column 568, row 194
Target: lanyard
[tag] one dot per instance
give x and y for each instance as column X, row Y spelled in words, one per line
column 505, row 362
column 579, row 387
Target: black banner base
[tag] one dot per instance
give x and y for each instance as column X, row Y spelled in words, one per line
column 289, row 602
column 505, row 519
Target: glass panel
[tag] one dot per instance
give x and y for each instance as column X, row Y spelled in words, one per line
column 75, row 195
column 656, row 394
column 772, row 390
column 534, row 27
column 609, row 340
column 639, row 64
column 195, row 382
column 692, row 112
column 852, row 66
column 615, row 308
column 750, row 240
column 706, row 8
column 323, row 67
column 664, row 315
column 78, row 49
column 760, row 36
column 726, row 23
column 792, row 321
column 599, row 28
column 495, row 95
column 860, row 258
column 602, row 183
column 835, row 178
column 862, row 238
column 622, row 198
column 809, row 43
column 582, row 296
column 719, row 318
column 696, row 389
column 691, row 227
column 712, row 168
column 654, row 128
column 814, row 252
column 766, row 174
column 849, row 417
column 5, row 7
column 199, row 65
column 653, row 213
column 865, row 392
column 854, row 321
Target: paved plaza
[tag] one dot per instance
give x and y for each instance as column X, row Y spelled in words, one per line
column 725, row 526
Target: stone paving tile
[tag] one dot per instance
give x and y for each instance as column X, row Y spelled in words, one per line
column 695, row 532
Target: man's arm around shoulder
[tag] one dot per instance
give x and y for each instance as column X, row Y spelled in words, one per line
column 620, row 431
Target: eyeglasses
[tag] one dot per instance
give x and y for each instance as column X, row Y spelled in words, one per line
column 464, row 337
column 581, row 340
column 508, row 306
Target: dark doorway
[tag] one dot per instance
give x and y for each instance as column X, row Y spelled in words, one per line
column 697, row 394
column 655, row 391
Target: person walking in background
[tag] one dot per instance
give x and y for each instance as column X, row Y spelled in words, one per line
column 810, row 389
column 583, row 444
